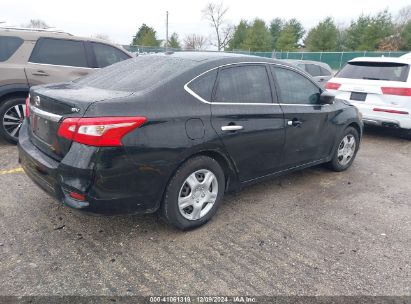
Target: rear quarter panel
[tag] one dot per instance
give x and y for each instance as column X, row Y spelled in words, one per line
column 155, row 150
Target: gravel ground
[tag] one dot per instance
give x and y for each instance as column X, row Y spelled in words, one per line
column 313, row 232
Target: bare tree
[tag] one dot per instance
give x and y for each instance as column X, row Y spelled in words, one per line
column 36, row 23
column 403, row 17
column 195, row 42
column 215, row 15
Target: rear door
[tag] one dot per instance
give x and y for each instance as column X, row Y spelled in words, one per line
column 57, row 60
column 309, row 136
column 248, row 120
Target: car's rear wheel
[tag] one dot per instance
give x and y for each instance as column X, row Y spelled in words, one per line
column 346, row 150
column 194, row 193
column 12, row 113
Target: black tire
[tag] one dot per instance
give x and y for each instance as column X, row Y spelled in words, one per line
column 336, row 163
column 6, row 131
column 169, row 210
column 406, row 133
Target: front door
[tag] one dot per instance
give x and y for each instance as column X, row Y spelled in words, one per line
column 309, row 135
column 247, row 119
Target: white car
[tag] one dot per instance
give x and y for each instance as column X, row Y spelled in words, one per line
column 380, row 87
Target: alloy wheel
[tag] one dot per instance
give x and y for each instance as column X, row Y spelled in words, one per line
column 13, row 119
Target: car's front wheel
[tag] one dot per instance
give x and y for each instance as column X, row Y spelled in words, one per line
column 346, row 150
column 194, row 193
column 12, row 113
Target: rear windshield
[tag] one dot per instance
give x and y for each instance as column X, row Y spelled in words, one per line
column 8, row 45
column 390, row 71
column 137, row 74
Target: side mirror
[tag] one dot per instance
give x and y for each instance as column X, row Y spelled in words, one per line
column 327, row 98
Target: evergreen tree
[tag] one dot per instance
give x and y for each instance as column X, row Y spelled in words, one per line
column 240, row 33
column 288, row 40
column 173, row 42
column 146, row 36
column 322, row 37
column 276, row 27
column 367, row 32
column 406, row 37
column 258, row 37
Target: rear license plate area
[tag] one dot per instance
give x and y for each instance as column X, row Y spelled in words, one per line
column 43, row 128
column 358, row 96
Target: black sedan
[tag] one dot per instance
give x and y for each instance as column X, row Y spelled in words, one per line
column 173, row 132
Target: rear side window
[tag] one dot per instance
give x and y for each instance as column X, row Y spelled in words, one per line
column 107, row 55
column 8, row 46
column 325, row 72
column 138, row 74
column 243, row 84
column 203, row 85
column 390, row 71
column 313, row 69
column 295, row 88
column 59, row 52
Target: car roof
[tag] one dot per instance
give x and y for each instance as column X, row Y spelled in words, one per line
column 145, row 72
column 34, row 34
column 382, row 59
column 219, row 58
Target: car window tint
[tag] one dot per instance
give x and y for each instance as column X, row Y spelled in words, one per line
column 107, row 54
column 295, row 88
column 59, row 52
column 313, row 69
column 203, row 85
column 8, row 45
column 325, row 72
column 389, row 71
column 301, row 66
column 243, row 84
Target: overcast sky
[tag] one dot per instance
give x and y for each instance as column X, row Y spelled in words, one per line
column 120, row 19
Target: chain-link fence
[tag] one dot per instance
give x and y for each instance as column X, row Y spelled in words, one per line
column 335, row 60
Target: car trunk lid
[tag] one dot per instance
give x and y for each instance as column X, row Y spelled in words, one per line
column 51, row 104
column 374, row 81
column 371, row 91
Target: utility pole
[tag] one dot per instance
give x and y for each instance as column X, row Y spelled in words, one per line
column 166, row 31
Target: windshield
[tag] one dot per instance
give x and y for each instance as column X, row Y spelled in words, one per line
column 137, row 74
column 389, row 71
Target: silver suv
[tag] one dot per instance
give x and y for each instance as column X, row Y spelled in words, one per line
column 32, row 56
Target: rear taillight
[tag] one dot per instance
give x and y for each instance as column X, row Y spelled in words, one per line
column 390, row 111
column 27, row 109
column 77, row 196
column 396, row 91
column 99, row 131
column 332, row 86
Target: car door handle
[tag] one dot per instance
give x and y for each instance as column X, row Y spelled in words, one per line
column 294, row 123
column 231, row 128
column 40, row 73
